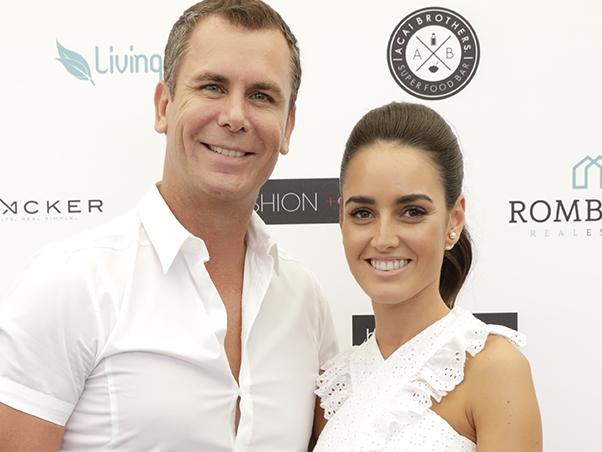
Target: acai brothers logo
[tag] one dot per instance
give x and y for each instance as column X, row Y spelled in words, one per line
column 30, row 210
column 109, row 61
column 567, row 217
column 433, row 53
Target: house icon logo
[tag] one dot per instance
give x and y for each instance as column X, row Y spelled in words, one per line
column 587, row 173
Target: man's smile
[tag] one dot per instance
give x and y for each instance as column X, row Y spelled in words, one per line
column 227, row 152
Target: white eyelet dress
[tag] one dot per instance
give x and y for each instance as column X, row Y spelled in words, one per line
column 378, row 405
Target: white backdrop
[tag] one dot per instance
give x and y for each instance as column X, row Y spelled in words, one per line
column 529, row 115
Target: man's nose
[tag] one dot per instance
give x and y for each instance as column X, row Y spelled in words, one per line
column 234, row 114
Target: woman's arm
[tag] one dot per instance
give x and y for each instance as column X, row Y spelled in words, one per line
column 319, row 423
column 503, row 405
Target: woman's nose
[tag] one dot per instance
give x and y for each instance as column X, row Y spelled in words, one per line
column 385, row 235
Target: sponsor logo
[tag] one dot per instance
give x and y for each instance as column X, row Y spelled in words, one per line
column 433, row 53
column 566, row 217
column 280, row 201
column 362, row 326
column 588, row 171
column 109, row 61
column 12, row 210
column 299, row 201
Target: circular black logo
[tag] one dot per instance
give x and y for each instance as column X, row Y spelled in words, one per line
column 433, row 53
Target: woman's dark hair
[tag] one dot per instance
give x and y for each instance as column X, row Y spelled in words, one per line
column 420, row 127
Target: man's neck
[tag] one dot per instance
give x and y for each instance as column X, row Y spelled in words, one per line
column 221, row 224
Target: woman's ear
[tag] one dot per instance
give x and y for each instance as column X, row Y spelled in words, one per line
column 457, row 215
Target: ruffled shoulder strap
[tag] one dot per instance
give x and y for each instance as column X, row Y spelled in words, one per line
column 334, row 384
column 444, row 370
column 473, row 332
column 399, row 390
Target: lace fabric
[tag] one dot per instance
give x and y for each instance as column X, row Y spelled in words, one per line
column 334, row 385
column 385, row 405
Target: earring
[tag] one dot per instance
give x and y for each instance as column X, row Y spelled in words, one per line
column 452, row 236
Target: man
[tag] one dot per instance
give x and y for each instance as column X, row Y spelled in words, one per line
column 181, row 326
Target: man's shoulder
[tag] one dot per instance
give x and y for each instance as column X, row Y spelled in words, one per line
column 297, row 273
column 115, row 234
column 290, row 264
column 67, row 276
column 71, row 258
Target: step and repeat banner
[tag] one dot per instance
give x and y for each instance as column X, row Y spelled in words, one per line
column 518, row 81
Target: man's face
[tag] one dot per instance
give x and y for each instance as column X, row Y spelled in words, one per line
column 229, row 117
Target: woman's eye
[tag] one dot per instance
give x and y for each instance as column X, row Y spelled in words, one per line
column 361, row 214
column 414, row 212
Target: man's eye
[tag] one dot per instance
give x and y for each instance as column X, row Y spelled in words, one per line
column 261, row 97
column 212, row 88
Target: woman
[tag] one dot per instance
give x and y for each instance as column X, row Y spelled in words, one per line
column 432, row 377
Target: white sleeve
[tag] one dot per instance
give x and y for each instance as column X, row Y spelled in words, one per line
column 328, row 338
column 48, row 339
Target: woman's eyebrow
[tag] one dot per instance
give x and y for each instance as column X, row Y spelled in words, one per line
column 413, row 198
column 360, row 200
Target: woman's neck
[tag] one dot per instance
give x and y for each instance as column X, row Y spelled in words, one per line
column 397, row 323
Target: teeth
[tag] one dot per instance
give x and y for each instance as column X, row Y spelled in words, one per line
column 389, row 264
column 226, row 152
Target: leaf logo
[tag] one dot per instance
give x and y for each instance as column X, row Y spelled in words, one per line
column 75, row 64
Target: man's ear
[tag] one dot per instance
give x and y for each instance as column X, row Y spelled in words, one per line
column 290, row 125
column 162, row 99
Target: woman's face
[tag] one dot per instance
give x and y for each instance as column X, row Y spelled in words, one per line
column 395, row 223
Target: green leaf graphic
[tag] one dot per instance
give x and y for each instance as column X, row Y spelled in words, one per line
column 75, row 64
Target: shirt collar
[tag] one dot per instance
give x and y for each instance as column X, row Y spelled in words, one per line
column 260, row 241
column 164, row 231
column 167, row 235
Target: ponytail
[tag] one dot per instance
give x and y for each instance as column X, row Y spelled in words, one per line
column 455, row 268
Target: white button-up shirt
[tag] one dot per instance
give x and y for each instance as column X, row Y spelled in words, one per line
column 118, row 335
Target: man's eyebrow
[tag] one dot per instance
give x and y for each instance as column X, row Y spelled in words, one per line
column 400, row 200
column 219, row 78
column 209, row 77
column 267, row 86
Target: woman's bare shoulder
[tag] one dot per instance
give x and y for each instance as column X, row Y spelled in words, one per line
column 501, row 398
column 499, row 357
